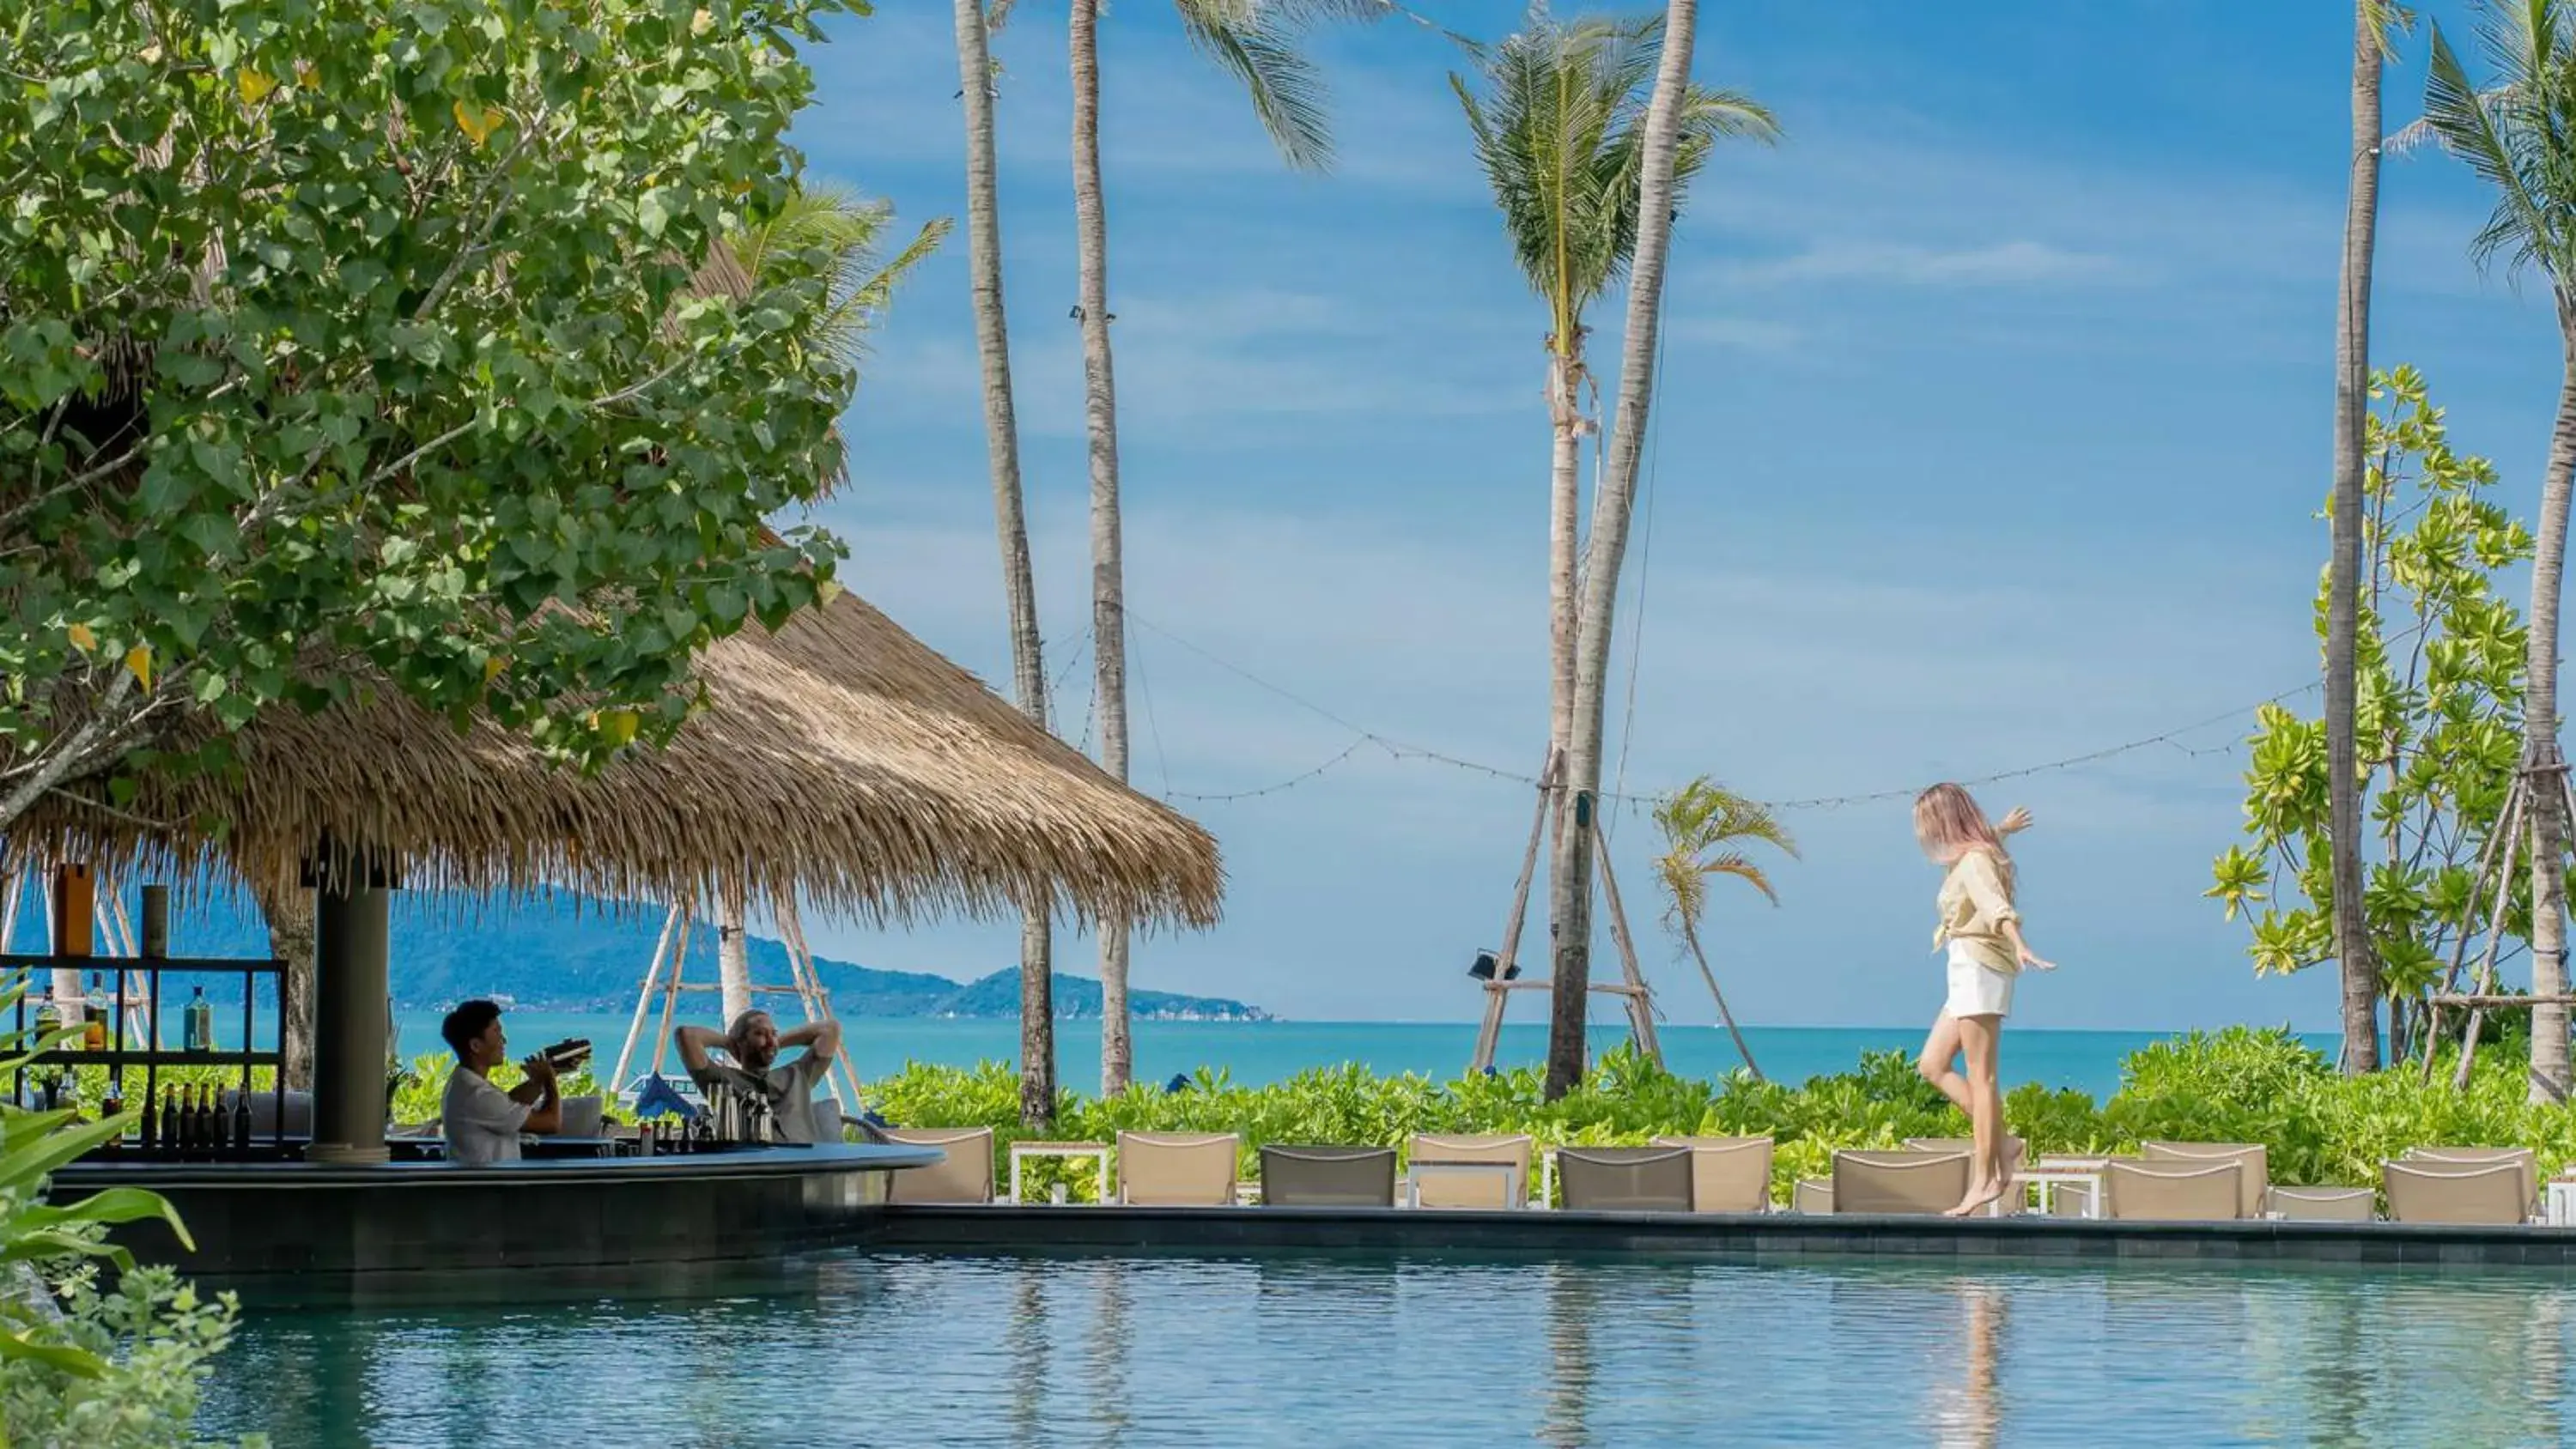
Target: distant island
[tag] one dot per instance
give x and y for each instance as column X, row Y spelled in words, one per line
column 569, row 952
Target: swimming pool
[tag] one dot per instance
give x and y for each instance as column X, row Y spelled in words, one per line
column 874, row 1348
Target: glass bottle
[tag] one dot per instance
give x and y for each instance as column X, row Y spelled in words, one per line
column 94, row 1017
column 198, row 1023
column 151, row 1120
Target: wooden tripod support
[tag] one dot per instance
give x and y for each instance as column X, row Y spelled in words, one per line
column 1632, row 982
column 663, row 975
column 2505, row 848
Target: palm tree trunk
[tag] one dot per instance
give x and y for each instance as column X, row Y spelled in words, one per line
column 733, row 954
column 2541, row 755
column 1691, row 936
column 1100, row 414
column 288, row 910
column 1564, row 505
column 1011, row 521
column 2359, row 962
column 1571, row 906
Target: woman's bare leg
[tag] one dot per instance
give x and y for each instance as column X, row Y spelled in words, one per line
column 1981, row 1040
column 1939, row 1050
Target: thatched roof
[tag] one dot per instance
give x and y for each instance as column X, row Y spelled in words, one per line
column 840, row 759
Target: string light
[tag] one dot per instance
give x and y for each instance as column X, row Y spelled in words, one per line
column 1401, row 751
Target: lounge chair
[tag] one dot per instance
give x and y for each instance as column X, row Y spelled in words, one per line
column 1325, row 1176
column 2480, row 1156
column 964, row 1176
column 2016, row 1153
column 1728, row 1174
column 1483, row 1188
column 2186, row 1192
column 2304, row 1204
column 1899, row 1182
column 2421, row 1191
column 1813, row 1196
column 1177, row 1169
column 2253, row 1166
column 2070, row 1200
column 1625, row 1179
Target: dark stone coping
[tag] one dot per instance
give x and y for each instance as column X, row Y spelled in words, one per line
column 94, row 1174
column 333, row 1228
column 1771, row 1237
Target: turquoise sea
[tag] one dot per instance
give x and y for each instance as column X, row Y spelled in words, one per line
column 1259, row 1052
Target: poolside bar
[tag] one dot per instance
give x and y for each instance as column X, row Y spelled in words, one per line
column 840, row 764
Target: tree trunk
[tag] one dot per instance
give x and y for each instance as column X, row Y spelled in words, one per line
column 1010, row 519
column 1690, row 934
column 2540, row 742
column 1571, row 898
column 1564, row 510
column 2353, row 952
column 733, row 955
column 1100, row 415
column 288, row 910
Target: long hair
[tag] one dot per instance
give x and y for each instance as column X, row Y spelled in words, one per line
column 1948, row 824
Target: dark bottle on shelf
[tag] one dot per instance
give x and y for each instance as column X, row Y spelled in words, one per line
column 199, row 1137
column 109, row 1108
column 241, row 1120
column 151, row 1121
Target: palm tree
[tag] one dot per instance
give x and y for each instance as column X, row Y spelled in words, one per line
column 1256, row 42
column 859, row 283
column 1010, row 518
column 1703, row 826
column 2354, row 951
column 2514, row 136
column 1560, row 134
column 1666, row 139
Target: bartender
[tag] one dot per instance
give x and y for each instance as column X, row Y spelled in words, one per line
column 754, row 1042
column 480, row 1122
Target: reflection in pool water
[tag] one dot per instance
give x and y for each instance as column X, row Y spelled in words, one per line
column 898, row 1349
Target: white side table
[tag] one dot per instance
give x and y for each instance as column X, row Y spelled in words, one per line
column 2559, row 1206
column 1097, row 1151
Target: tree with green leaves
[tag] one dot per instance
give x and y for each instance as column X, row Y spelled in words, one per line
column 2373, row 20
column 2514, row 135
column 1258, row 43
column 1705, row 829
column 1558, row 114
column 353, row 345
column 976, row 72
column 2440, row 663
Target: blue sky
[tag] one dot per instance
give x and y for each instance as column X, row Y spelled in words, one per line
column 1993, row 427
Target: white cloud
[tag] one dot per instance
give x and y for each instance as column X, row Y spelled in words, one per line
column 2002, row 264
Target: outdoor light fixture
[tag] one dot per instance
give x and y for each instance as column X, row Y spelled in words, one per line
column 1483, row 969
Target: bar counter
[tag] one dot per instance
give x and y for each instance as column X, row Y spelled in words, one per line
column 382, row 1222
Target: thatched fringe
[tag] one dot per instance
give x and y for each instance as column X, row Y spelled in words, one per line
column 841, row 761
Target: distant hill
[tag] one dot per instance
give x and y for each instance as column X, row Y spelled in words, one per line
column 579, row 953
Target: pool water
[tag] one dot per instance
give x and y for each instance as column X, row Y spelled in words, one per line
column 894, row 1349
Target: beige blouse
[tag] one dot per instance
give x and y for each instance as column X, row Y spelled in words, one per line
column 1974, row 904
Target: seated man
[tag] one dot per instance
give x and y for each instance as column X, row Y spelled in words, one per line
column 481, row 1122
column 754, row 1044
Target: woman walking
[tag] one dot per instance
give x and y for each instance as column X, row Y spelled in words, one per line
column 1983, row 934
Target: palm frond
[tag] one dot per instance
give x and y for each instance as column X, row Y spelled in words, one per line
column 1701, row 825
column 1258, row 46
column 2509, row 134
column 2386, row 19
column 846, row 230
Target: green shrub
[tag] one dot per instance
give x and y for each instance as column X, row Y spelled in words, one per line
column 2242, row 1084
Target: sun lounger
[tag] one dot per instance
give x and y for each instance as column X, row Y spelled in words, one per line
column 1899, row 1182
column 2186, row 1192
column 1177, row 1169
column 2070, row 1200
column 1625, row 1179
column 965, row 1176
column 2303, row 1204
column 1728, row 1174
column 1325, row 1176
column 2432, row 1191
column 2253, row 1166
column 1483, row 1184
column 2479, row 1157
column 1812, row 1195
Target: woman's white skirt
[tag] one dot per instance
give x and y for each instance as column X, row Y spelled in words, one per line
column 1977, row 989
